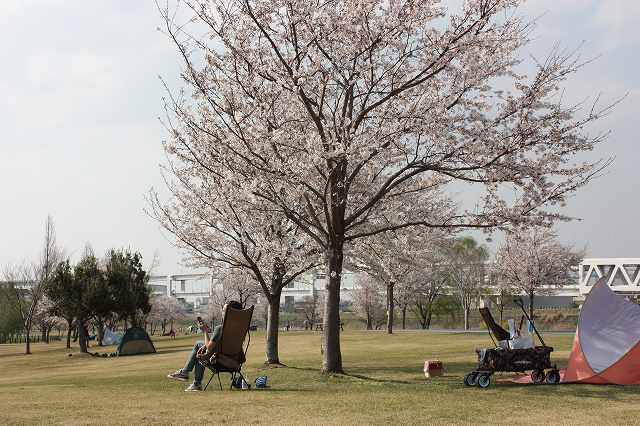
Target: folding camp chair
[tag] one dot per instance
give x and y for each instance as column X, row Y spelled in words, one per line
column 499, row 332
column 229, row 354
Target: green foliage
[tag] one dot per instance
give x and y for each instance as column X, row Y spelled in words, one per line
column 445, row 306
column 91, row 291
column 10, row 319
column 468, row 247
column 127, row 282
column 64, row 292
column 97, row 298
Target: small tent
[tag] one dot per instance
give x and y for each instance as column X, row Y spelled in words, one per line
column 134, row 342
column 606, row 347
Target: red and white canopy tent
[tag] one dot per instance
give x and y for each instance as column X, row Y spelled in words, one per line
column 606, row 347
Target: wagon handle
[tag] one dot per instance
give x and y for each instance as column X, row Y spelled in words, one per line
column 518, row 301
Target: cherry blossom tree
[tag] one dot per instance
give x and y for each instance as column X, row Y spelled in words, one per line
column 224, row 228
column 368, row 301
column 393, row 257
column 166, row 310
column 330, row 110
column 379, row 258
column 235, row 284
column 532, row 261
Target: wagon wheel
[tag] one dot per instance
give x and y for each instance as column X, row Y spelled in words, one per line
column 553, row 377
column 484, row 380
column 471, row 379
column 537, row 376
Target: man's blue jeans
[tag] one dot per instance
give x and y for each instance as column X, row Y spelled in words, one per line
column 192, row 363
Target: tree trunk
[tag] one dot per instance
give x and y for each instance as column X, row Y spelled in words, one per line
column 404, row 317
column 332, row 356
column 273, row 323
column 69, row 327
column 100, row 334
column 82, row 337
column 422, row 319
column 27, row 340
column 466, row 317
column 531, row 295
column 428, row 322
column 390, row 306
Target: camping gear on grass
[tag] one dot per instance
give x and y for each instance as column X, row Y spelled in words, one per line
column 229, row 354
column 261, row 382
column 432, row 368
column 513, row 357
column 135, row 341
column 111, row 338
column 606, row 346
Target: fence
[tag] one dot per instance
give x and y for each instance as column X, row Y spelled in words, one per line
column 19, row 338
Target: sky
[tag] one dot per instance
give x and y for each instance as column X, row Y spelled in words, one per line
column 80, row 139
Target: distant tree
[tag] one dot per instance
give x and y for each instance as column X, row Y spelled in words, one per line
column 45, row 318
column 99, row 292
column 30, row 281
column 427, row 287
column 127, row 281
column 368, row 302
column 10, row 319
column 384, row 258
column 312, row 308
column 166, row 310
column 532, row 261
column 64, row 296
column 89, row 284
column 446, row 306
column 466, row 270
column 392, row 258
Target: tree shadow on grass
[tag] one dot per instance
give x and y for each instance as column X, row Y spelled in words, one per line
column 171, row 351
column 315, row 370
column 352, row 373
column 377, row 380
column 281, row 389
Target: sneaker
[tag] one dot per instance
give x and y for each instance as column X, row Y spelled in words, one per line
column 178, row 375
column 193, row 387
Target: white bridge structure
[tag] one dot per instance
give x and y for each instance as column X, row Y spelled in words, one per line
column 622, row 274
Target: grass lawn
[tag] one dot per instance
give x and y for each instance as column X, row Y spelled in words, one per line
column 384, row 384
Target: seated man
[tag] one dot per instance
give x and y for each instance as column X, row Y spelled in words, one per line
column 201, row 349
